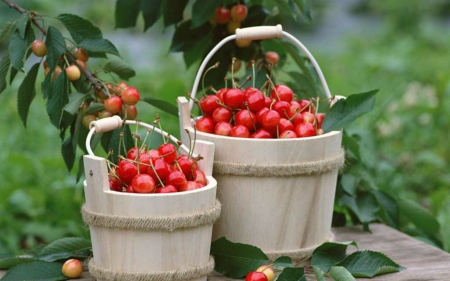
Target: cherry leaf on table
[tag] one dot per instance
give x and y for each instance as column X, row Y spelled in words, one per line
column 8, row 262
column 292, row 274
column 36, row 271
column 345, row 111
column 318, row 273
column 236, row 260
column 339, row 273
column 330, row 253
column 283, row 261
column 368, row 264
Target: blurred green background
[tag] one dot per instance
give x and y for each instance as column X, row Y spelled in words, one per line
column 399, row 47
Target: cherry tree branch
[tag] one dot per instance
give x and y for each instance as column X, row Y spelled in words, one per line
column 97, row 84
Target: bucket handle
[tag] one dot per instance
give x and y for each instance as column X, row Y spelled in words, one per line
column 259, row 33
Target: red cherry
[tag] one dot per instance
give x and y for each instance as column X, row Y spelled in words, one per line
column 239, row 12
column 255, row 99
column 113, row 104
column 261, row 134
column 200, row 177
column 161, row 168
column 208, row 104
column 308, row 117
column 222, row 114
column 126, row 171
column 222, row 15
column 267, row 102
column 294, row 108
column 191, row 185
column 166, row 189
column 132, row 153
column 282, row 92
column 177, row 179
column 284, row 125
column 270, row 119
column 288, row 134
column 169, row 152
column 205, row 124
column 260, row 113
column 245, row 118
column 129, row 189
column 221, row 92
column 187, row 166
column 272, row 57
column 305, row 130
column 131, row 112
column 234, row 98
column 144, row 163
column 305, row 105
column 131, row 96
column 240, row 131
column 154, row 154
column 319, row 118
column 282, row 107
column 114, row 185
column 297, row 119
column 143, row 183
column 223, row 128
column 256, row 276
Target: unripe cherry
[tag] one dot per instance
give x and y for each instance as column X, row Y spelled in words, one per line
column 73, row 72
column 38, row 48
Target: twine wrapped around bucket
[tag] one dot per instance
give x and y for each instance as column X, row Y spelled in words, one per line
column 281, row 170
column 167, row 223
column 173, row 275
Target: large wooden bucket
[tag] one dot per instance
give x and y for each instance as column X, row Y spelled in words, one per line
column 277, row 194
column 148, row 236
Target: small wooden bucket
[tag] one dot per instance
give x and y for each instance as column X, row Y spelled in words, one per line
column 277, row 194
column 148, row 236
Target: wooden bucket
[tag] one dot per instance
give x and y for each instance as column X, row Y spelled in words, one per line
column 148, row 236
column 277, row 194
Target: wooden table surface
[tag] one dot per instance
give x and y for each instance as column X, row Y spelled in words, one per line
column 423, row 262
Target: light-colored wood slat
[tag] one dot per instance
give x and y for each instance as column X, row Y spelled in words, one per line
column 423, row 262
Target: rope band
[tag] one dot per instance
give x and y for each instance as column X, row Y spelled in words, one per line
column 167, row 223
column 281, row 170
column 174, row 275
column 296, row 255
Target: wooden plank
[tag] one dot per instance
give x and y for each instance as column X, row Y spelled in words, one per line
column 423, row 262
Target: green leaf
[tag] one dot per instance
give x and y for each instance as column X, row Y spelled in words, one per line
column 18, row 48
column 173, row 11
column 329, row 253
column 56, row 46
column 348, row 183
column 27, row 92
column 58, row 99
column 283, row 261
column 79, row 28
column 305, row 86
column 7, row 263
column 126, row 13
column 151, row 11
column 298, row 59
column 95, row 107
column 120, row 68
column 163, row 105
column 202, row 11
column 339, row 273
column 115, row 140
column 304, row 9
column 292, row 274
column 12, row 75
column 78, row 124
column 257, row 15
column 318, row 273
column 22, row 24
column 80, row 172
column 46, row 85
column 68, row 153
column 419, row 216
column 75, row 100
column 364, row 206
column 185, row 38
column 369, row 264
column 36, row 271
column 345, row 111
column 64, row 248
column 285, row 8
column 351, row 145
column 6, row 30
column 100, row 45
column 198, row 51
column 235, row 260
column 388, row 207
column 4, row 67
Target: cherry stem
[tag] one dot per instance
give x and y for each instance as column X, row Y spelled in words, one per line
column 216, row 65
column 253, row 70
column 156, row 174
column 223, row 105
column 65, row 59
column 285, row 136
column 250, row 114
column 246, row 80
column 211, row 88
column 273, row 86
column 233, row 83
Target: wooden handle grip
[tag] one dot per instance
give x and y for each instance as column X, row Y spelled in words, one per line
column 259, row 32
column 106, row 124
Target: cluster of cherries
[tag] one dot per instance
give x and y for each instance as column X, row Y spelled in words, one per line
column 159, row 170
column 118, row 98
column 233, row 18
column 249, row 113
